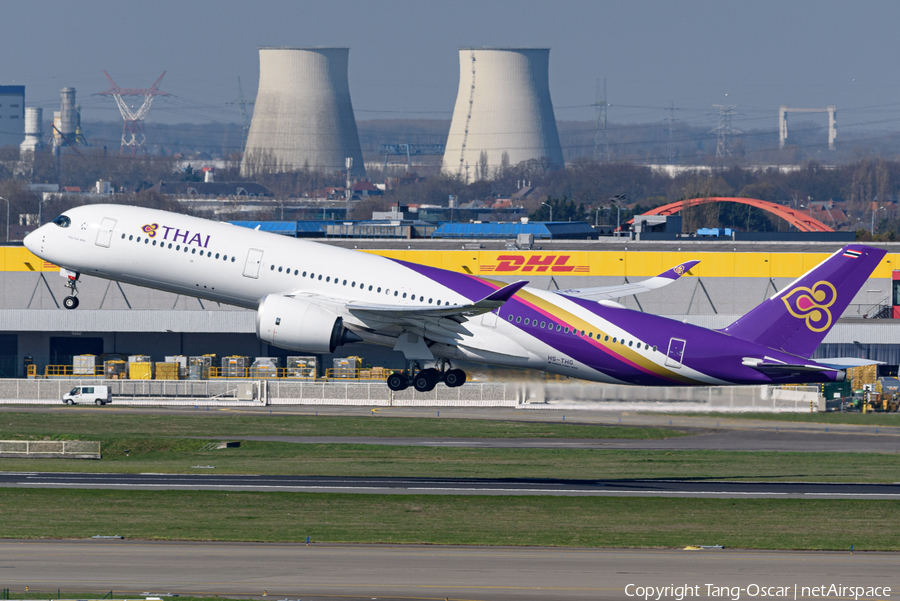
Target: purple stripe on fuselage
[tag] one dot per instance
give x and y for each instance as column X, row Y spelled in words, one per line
column 707, row 351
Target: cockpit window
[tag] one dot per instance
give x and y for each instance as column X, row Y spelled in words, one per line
column 62, row 221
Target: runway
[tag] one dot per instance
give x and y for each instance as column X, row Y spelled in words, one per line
column 453, row 486
column 356, row 572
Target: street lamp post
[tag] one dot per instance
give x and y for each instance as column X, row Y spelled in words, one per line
column 549, row 206
column 7, row 217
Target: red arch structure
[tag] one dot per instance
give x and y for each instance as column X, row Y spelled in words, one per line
column 802, row 221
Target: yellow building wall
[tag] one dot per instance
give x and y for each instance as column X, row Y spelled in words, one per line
column 624, row 263
column 637, row 264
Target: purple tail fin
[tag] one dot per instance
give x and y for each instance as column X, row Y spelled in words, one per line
column 798, row 318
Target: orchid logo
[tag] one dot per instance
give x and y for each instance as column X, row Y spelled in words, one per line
column 679, row 270
column 150, row 229
column 811, row 304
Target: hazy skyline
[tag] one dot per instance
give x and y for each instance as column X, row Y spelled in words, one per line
column 404, row 54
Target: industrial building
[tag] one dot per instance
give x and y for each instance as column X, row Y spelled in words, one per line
column 12, row 115
column 503, row 113
column 303, row 117
column 731, row 279
column 34, row 131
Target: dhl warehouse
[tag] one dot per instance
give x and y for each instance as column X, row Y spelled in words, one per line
column 731, row 279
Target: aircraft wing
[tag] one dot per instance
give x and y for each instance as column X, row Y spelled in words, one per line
column 493, row 301
column 440, row 324
column 618, row 291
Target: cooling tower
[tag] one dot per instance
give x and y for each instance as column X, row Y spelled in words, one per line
column 303, row 116
column 34, row 130
column 503, row 106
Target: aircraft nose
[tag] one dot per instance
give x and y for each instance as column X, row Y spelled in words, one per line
column 31, row 240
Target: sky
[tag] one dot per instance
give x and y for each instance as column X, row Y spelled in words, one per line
column 404, row 54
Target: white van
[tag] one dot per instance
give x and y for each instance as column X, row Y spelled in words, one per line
column 98, row 395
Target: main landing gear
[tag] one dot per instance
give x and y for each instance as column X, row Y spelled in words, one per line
column 71, row 302
column 424, row 380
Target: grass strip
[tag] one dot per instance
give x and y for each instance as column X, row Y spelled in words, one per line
column 857, row 419
column 221, row 423
column 465, row 520
column 178, row 455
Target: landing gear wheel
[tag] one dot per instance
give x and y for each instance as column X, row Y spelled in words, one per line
column 454, row 378
column 397, row 382
column 70, row 302
column 426, row 380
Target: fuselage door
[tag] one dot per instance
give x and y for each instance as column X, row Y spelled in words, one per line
column 254, row 259
column 676, row 352
column 104, row 236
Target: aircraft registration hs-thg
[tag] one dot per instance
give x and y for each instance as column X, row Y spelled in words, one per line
column 313, row 298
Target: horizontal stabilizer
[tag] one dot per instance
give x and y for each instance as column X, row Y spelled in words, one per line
column 610, row 292
column 847, row 362
column 773, row 367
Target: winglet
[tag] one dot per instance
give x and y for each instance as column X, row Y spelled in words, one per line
column 678, row 271
column 505, row 293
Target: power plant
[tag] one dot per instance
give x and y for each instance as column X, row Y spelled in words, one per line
column 34, row 130
column 303, row 117
column 503, row 113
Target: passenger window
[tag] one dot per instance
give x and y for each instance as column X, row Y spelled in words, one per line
column 558, row 328
column 519, row 319
column 582, row 332
column 154, row 244
column 232, row 259
column 527, row 321
column 566, row 330
column 170, row 245
column 395, row 293
column 630, row 342
column 304, row 274
column 607, row 339
column 123, row 236
column 510, row 317
column 379, row 289
column 296, row 272
column 439, row 302
column 201, row 252
column 345, row 282
column 654, row 348
column 178, row 247
column 130, row 238
column 328, row 279
column 217, row 254
column 146, row 240
column 590, row 334
column 193, row 251
column 614, row 339
column 370, row 289
column 138, row 239
column 185, row 249
column 543, row 324
column 429, row 301
column 320, row 277
column 404, row 295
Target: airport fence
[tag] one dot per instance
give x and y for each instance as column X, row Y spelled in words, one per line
column 50, row 448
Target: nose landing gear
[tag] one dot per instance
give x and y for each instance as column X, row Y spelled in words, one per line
column 71, row 302
column 424, row 380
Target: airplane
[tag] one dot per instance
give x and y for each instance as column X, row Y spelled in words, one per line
column 311, row 297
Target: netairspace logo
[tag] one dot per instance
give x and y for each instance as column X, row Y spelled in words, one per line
column 752, row 591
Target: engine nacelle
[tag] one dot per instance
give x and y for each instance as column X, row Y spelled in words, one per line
column 298, row 325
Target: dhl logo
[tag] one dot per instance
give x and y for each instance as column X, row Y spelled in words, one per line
column 534, row 264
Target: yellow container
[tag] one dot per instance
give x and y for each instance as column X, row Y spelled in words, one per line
column 166, row 371
column 140, row 371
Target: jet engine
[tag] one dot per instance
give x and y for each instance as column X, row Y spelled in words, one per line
column 298, row 325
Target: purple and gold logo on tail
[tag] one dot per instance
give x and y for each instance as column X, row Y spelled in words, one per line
column 811, row 304
column 679, row 270
column 150, row 229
